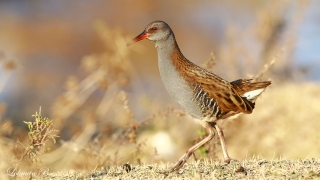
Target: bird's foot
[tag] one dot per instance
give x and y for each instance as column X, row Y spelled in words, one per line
column 237, row 164
column 228, row 160
column 178, row 165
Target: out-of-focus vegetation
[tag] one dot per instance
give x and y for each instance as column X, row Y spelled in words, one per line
column 105, row 115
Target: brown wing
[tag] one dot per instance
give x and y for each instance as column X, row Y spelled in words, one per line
column 227, row 98
column 222, row 91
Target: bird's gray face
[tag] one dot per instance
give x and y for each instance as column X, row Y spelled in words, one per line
column 155, row 31
column 158, row 31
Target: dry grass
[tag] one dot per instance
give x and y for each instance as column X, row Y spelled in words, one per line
column 99, row 132
column 253, row 168
column 40, row 132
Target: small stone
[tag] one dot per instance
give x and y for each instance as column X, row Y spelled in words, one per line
column 126, row 167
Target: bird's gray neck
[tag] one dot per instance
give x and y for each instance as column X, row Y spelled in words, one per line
column 166, row 44
column 167, row 49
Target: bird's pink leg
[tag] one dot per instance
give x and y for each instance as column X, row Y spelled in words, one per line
column 227, row 158
column 190, row 151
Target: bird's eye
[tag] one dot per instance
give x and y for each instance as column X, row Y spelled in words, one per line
column 154, row 28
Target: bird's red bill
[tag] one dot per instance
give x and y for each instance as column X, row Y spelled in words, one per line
column 142, row 36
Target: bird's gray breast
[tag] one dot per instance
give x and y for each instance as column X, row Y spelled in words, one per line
column 176, row 85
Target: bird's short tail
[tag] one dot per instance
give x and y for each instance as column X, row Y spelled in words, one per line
column 250, row 90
